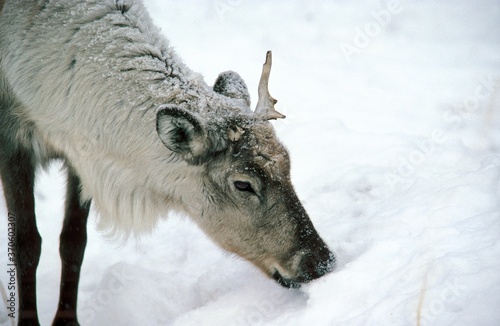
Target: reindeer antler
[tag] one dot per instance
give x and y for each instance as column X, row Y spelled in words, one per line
column 265, row 105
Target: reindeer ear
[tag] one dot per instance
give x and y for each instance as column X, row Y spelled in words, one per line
column 230, row 84
column 182, row 133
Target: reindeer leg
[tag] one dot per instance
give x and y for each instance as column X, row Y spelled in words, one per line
column 73, row 240
column 18, row 174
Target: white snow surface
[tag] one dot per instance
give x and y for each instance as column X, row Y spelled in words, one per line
column 393, row 125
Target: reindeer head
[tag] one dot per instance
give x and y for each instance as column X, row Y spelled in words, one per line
column 248, row 203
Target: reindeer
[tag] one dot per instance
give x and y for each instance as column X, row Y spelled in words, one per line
column 93, row 83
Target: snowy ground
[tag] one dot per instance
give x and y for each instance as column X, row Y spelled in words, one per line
column 393, row 125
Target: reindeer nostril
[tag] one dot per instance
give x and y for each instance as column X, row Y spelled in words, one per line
column 308, row 267
column 316, row 264
column 310, row 262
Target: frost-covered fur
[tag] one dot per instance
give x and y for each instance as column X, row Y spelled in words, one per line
column 90, row 83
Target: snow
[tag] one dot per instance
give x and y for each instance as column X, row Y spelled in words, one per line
column 395, row 153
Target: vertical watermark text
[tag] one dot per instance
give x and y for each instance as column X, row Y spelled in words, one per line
column 11, row 266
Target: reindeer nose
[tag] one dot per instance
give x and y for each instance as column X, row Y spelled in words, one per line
column 316, row 264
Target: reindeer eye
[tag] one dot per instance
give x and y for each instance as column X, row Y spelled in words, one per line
column 243, row 186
